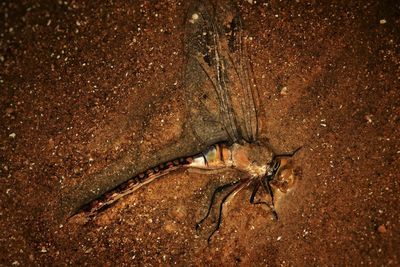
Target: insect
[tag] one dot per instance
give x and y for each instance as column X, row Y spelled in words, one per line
column 219, row 69
column 222, row 94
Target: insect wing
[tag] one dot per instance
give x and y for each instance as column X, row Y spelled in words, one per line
column 222, row 97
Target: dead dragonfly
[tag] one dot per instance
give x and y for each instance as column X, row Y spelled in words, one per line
column 222, row 94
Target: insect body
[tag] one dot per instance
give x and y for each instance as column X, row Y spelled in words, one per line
column 223, row 99
column 247, row 158
column 258, row 165
column 220, row 68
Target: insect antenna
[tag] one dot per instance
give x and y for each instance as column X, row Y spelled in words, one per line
column 287, row 154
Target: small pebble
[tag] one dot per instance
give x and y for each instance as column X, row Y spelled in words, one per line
column 12, row 135
column 171, row 227
column 284, row 91
column 382, row 229
column 368, row 118
column 194, row 18
column 382, row 21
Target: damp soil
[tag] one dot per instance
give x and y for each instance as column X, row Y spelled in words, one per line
column 84, row 85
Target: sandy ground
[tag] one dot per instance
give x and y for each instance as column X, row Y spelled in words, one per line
column 85, row 85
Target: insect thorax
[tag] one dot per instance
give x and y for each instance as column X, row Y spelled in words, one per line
column 253, row 158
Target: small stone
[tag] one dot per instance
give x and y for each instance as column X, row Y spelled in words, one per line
column 368, row 118
column 171, row 227
column 76, row 170
column 12, row 135
column 284, row 90
column 194, row 18
column 382, row 229
column 382, row 21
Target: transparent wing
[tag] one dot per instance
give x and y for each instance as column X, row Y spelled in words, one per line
column 218, row 77
column 242, row 85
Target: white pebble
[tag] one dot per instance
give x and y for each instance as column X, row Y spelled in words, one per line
column 194, row 18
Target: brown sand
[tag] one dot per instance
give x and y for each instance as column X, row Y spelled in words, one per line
column 81, row 84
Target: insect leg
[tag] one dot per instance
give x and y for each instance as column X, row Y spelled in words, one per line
column 253, row 194
column 216, row 191
column 267, row 187
column 236, row 189
column 255, row 190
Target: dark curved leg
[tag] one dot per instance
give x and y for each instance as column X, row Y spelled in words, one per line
column 216, row 191
column 237, row 186
column 253, row 194
column 268, row 189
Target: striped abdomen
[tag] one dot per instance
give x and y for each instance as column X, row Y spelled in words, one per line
column 214, row 157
